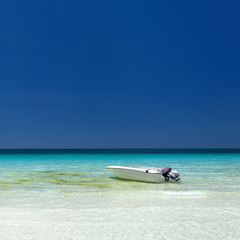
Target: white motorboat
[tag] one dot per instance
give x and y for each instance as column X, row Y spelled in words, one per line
column 145, row 174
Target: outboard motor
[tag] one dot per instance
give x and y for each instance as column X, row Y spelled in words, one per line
column 166, row 173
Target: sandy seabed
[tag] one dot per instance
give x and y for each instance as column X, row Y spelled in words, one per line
column 137, row 214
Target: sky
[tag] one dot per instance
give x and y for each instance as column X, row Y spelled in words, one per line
column 119, row 74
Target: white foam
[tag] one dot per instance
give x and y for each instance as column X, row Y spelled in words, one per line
column 183, row 193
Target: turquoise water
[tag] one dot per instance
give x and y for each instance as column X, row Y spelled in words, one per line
column 64, row 194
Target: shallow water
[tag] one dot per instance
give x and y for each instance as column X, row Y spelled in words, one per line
column 69, row 195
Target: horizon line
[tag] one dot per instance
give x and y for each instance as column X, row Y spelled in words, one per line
column 122, row 148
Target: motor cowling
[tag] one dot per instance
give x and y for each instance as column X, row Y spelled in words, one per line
column 166, row 173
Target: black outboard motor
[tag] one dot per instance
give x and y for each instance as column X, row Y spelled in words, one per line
column 166, row 173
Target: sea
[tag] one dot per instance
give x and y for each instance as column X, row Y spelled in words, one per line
column 69, row 194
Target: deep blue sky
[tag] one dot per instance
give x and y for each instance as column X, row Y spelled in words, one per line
column 119, row 74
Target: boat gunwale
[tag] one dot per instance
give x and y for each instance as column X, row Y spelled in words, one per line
column 137, row 170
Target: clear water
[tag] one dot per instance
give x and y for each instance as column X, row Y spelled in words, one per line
column 69, row 195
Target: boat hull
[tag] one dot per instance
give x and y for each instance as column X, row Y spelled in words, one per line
column 143, row 174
